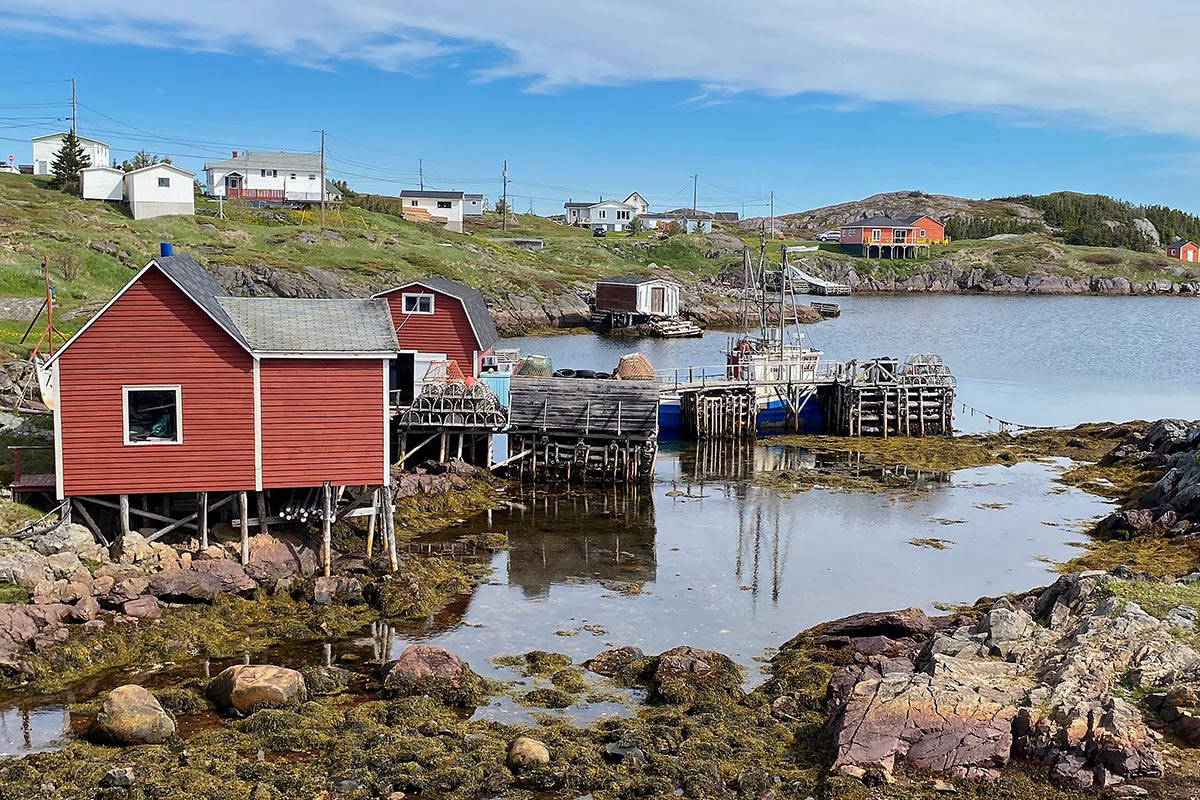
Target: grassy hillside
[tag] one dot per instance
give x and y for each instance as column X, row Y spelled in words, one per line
column 94, row 248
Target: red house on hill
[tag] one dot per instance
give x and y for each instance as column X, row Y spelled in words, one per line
column 1185, row 251
column 436, row 320
column 176, row 387
column 888, row 237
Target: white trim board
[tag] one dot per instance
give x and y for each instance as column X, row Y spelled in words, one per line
column 258, row 461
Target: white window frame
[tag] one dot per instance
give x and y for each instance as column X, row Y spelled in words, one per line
column 312, row 176
column 152, row 387
column 876, row 234
column 164, row 183
column 416, row 305
column 922, row 233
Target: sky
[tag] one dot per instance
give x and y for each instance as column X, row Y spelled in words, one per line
column 815, row 101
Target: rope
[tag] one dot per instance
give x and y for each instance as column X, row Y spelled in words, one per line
column 1004, row 423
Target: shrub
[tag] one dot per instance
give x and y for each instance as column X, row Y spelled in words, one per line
column 1103, row 258
column 71, row 266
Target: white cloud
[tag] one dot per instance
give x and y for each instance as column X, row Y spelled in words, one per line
column 1110, row 63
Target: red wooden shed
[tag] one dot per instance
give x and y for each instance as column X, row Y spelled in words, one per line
column 1183, row 250
column 174, row 386
column 436, row 319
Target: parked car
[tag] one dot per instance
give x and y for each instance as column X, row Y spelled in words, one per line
column 598, row 231
column 834, row 235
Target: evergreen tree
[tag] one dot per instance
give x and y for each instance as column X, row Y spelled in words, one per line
column 143, row 159
column 68, row 162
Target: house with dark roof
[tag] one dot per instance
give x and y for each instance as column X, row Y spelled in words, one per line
column 436, row 321
column 891, row 237
column 176, row 389
column 689, row 221
column 270, row 178
column 438, row 207
column 1183, row 250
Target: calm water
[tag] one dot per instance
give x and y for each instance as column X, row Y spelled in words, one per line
column 1029, row 359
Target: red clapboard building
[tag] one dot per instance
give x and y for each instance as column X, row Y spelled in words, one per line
column 176, row 388
column 1184, row 251
column 436, row 320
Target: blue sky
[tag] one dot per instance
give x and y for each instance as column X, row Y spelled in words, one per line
column 790, row 96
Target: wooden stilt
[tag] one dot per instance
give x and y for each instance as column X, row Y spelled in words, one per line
column 262, row 512
column 389, row 521
column 244, row 512
column 326, row 529
column 371, row 524
column 202, row 518
column 123, row 500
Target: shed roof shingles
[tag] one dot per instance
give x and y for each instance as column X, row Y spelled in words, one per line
column 299, row 325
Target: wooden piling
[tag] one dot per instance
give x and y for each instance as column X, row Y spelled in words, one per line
column 262, row 512
column 326, row 529
column 375, row 501
column 244, row 511
column 123, row 501
column 202, row 518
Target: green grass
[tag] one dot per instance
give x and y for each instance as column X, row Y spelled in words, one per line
column 365, row 252
column 1156, row 598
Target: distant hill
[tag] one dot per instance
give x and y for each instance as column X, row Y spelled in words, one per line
column 1081, row 219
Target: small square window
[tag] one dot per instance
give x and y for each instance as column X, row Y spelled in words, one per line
column 412, row 202
column 443, row 203
column 164, row 182
column 152, row 415
column 312, row 176
column 418, row 304
column 293, row 176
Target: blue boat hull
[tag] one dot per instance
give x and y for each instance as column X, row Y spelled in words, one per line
column 770, row 418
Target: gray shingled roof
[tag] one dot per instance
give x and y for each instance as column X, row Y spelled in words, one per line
column 877, row 222
column 199, row 285
column 292, row 162
column 472, row 300
column 430, row 193
column 301, row 325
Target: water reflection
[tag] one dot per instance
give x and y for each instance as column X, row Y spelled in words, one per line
column 601, row 536
column 25, row 730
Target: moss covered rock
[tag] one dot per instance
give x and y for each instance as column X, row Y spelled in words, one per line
column 244, row 688
column 685, row 675
column 425, row 670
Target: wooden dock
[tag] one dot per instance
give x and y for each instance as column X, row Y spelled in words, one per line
column 882, row 397
column 575, row 429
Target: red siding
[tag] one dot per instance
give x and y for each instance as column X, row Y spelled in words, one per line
column 1182, row 251
column 447, row 330
column 616, row 297
column 154, row 334
column 934, row 230
column 322, row 420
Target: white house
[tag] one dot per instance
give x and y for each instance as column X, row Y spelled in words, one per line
column 640, row 206
column 445, row 208
column 269, row 178
column 611, row 215
column 472, row 205
column 102, row 183
column 46, row 146
column 688, row 221
column 159, row 190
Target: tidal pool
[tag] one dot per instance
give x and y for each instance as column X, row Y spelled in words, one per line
column 708, row 555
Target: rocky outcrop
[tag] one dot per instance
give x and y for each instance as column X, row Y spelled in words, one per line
column 281, row 556
column 131, row 715
column 1043, row 680
column 687, row 674
column 244, row 688
column 1170, row 448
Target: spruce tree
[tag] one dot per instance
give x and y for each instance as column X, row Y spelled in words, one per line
column 68, row 162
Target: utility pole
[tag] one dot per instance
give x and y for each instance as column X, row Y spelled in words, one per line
column 322, row 177
column 504, row 181
column 694, row 177
column 772, row 213
column 421, row 173
column 74, row 107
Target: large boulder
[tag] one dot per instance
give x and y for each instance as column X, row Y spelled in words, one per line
column 525, row 752
column 243, row 688
column 425, row 670
column 344, row 589
column 877, row 632
column 278, row 557
column 69, row 538
column 21, row 565
column 231, row 575
column 185, row 585
column 131, row 715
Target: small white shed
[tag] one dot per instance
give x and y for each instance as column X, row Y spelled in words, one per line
column 102, row 183
column 160, row 190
